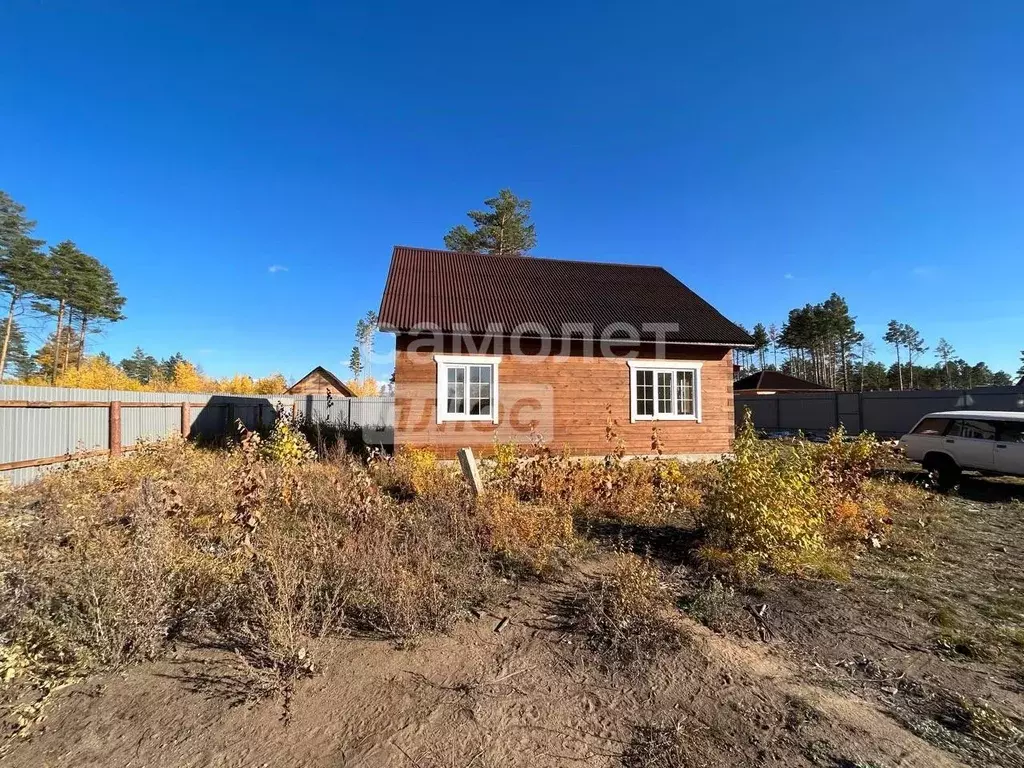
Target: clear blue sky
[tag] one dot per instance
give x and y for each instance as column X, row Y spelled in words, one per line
column 766, row 153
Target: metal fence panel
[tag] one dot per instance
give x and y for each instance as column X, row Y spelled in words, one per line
column 28, row 434
column 885, row 413
column 39, row 433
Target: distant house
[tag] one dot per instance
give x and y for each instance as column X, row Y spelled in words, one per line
column 1021, row 382
column 319, row 381
column 586, row 356
column 773, row 382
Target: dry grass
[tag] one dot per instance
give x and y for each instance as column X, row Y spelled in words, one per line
column 657, row 744
column 107, row 564
column 628, row 615
column 267, row 550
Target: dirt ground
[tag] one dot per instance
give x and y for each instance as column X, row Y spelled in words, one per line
column 916, row 660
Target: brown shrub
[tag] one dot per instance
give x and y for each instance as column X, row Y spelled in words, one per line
column 533, row 536
column 642, row 491
column 628, row 614
column 104, row 563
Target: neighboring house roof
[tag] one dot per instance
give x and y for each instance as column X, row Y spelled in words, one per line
column 776, row 382
column 332, row 381
column 467, row 292
column 1021, row 382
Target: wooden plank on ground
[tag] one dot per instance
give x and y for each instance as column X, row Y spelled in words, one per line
column 27, row 463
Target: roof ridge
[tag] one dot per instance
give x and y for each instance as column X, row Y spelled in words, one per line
column 530, row 256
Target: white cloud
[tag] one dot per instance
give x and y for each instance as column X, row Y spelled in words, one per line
column 788, row 276
column 276, row 268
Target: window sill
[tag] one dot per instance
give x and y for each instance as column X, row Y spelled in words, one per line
column 455, row 418
column 664, row 418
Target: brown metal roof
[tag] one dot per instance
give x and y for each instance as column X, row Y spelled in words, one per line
column 776, row 382
column 468, row 292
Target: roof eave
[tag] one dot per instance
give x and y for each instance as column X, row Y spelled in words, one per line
column 387, row 328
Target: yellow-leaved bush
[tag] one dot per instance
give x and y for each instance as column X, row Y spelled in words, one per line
column 792, row 508
column 286, row 445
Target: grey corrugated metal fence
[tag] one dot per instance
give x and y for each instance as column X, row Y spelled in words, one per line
column 884, row 413
column 32, row 433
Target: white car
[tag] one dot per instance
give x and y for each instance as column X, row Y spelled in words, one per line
column 948, row 442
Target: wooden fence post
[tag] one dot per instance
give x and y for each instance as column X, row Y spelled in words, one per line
column 470, row 470
column 186, row 418
column 114, row 427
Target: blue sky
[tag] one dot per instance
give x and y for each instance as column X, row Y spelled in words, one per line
column 766, row 153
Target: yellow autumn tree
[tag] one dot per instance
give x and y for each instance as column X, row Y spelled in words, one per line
column 367, row 387
column 274, row 384
column 187, row 378
column 98, row 373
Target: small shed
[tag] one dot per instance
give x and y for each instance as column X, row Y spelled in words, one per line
column 319, row 381
column 774, row 382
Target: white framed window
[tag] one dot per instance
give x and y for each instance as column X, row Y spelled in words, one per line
column 467, row 388
column 664, row 390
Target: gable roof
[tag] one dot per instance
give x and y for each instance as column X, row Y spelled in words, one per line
column 467, row 292
column 775, row 381
column 333, row 380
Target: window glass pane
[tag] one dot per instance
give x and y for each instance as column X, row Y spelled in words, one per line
column 932, row 427
column 1011, row 432
column 664, row 391
column 645, row 393
column 685, row 403
column 974, row 429
column 456, row 394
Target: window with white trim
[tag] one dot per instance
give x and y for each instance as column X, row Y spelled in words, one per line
column 467, row 388
column 664, row 390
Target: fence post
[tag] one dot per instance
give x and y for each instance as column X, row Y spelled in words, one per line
column 186, row 418
column 114, row 427
column 470, row 470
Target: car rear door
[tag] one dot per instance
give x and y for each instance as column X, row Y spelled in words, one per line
column 1009, row 451
column 972, row 442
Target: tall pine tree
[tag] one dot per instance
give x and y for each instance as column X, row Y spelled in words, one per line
column 504, row 230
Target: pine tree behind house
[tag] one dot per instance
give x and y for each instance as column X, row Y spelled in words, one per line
column 504, row 230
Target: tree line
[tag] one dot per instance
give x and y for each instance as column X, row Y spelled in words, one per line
column 821, row 343
column 817, row 342
column 76, row 295
column 75, row 290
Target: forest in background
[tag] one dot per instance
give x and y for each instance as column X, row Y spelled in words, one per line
column 71, row 296
column 821, row 343
column 74, row 296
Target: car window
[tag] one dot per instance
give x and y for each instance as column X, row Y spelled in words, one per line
column 1011, row 432
column 974, row 429
column 931, row 427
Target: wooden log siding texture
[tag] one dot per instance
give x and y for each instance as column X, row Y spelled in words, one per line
column 583, row 389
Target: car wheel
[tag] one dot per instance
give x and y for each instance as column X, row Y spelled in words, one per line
column 943, row 472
